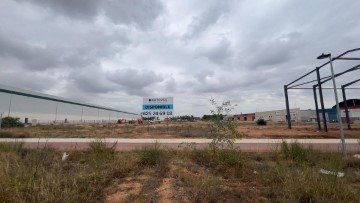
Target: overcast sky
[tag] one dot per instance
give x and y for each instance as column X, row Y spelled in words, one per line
column 115, row 52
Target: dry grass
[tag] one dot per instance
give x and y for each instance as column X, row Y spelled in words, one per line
column 159, row 175
column 175, row 130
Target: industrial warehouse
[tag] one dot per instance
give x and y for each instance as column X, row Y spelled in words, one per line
column 299, row 115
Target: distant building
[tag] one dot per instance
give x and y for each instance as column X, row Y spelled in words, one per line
column 245, row 117
column 353, row 108
column 296, row 115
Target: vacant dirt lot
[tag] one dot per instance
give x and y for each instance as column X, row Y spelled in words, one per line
column 156, row 174
column 177, row 130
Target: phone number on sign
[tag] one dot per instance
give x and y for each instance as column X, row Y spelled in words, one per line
column 157, row 113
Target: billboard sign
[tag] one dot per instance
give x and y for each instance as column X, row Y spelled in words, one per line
column 157, row 107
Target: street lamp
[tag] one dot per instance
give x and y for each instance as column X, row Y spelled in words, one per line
column 324, row 56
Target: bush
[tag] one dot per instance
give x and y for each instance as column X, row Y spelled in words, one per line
column 230, row 158
column 10, row 122
column 151, row 156
column 261, row 122
column 222, row 131
column 222, row 159
column 100, row 153
column 294, row 151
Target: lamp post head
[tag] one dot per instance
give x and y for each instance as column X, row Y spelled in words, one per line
column 323, row 56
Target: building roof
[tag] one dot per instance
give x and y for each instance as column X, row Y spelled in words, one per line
column 351, row 103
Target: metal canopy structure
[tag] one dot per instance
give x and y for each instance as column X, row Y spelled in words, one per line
column 318, row 85
column 27, row 93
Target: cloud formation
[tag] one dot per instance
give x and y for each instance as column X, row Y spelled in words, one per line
column 113, row 53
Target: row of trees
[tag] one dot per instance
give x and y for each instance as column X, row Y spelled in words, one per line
column 10, row 122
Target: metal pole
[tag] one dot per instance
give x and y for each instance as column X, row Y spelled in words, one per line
column 321, row 99
column 338, row 111
column 317, row 109
column 346, row 107
column 1, row 118
column 167, row 124
column 98, row 116
column 287, row 107
column 56, row 111
column 10, row 105
column 82, row 111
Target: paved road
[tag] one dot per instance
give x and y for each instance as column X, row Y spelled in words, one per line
column 247, row 145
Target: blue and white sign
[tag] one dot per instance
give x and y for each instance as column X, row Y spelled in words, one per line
column 157, row 107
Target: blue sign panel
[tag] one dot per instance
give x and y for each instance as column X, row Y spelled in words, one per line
column 158, row 107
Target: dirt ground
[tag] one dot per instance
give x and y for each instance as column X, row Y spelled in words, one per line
column 183, row 180
column 157, row 174
column 299, row 130
column 177, row 130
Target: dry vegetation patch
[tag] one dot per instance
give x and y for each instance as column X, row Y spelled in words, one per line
column 198, row 129
column 156, row 174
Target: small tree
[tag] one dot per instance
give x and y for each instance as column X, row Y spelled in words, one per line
column 261, row 121
column 10, row 122
column 222, row 131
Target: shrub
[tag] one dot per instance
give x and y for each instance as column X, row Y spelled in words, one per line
column 222, row 131
column 10, row 122
column 203, row 188
column 261, row 122
column 296, row 152
column 100, row 153
column 230, row 158
column 151, row 156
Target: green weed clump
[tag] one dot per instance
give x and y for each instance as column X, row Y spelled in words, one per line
column 153, row 156
column 295, row 152
column 227, row 162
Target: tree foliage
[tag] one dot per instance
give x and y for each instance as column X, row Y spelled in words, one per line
column 261, row 121
column 10, row 122
column 210, row 117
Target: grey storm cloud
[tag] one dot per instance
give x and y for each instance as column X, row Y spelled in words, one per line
column 91, row 80
column 129, row 80
column 201, row 22
column 134, row 78
column 242, row 51
column 27, row 54
column 39, row 82
column 218, row 54
column 171, row 85
column 276, row 51
column 50, row 56
column 140, row 13
column 201, row 76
